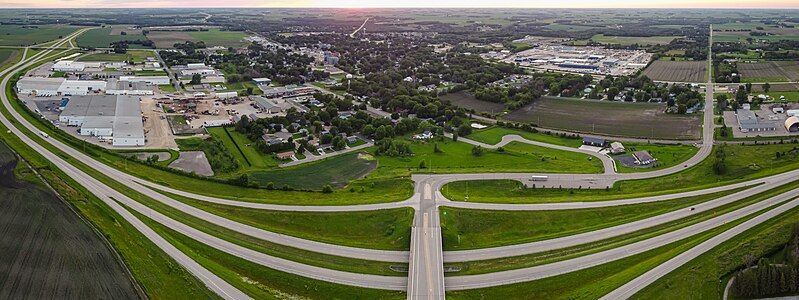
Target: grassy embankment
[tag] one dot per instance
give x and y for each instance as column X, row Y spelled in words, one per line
column 596, row 281
column 743, row 162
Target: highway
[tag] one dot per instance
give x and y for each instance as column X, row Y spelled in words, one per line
column 426, row 276
column 213, row 282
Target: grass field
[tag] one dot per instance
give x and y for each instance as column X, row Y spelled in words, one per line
column 53, row 248
column 7, row 56
column 135, row 56
column 103, row 37
column 643, row 120
column 212, row 37
column 467, row 101
column 258, row 281
column 743, row 162
column 472, row 229
column 380, row 229
column 677, row 71
column 633, row 40
column 790, row 96
column 494, row 134
column 706, row 276
column 590, row 283
column 18, row 35
column 540, row 258
column 456, row 157
column 667, row 155
column 167, row 88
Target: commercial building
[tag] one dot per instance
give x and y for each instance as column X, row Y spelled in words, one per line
column 115, row 116
column 41, row 86
column 155, row 80
column 643, row 158
column 596, row 142
column 748, row 122
column 68, row 66
column 227, row 95
column 262, row 81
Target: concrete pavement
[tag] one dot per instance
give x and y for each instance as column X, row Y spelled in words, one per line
column 426, row 272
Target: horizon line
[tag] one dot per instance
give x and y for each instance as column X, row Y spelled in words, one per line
column 417, row 7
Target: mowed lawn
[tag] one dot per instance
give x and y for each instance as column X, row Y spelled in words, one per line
column 18, row 35
column 457, row 157
column 743, row 162
column 642, row 120
column 103, row 37
column 493, row 135
column 667, row 155
column 337, row 171
column 471, row 228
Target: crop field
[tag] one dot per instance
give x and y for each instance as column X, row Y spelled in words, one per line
column 136, row 56
column 645, row 120
column 769, row 71
column 212, row 37
column 17, row 35
column 6, row 55
column 677, row 71
column 103, row 37
column 49, row 252
column 462, row 99
column 633, row 40
column 336, row 171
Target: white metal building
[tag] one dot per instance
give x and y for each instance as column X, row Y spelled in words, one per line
column 226, row 95
column 81, row 87
column 39, row 86
column 115, row 116
column 68, row 66
column 156, row 80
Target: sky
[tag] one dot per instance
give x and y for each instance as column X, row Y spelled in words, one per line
column 771, row 4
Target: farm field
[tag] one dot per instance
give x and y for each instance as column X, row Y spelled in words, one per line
column 467, row 101
column 212, row 37
column 769, row 71
column 136, row 56
column 103, row 37
column 644, row 120
column 7, row 55
column 677, row 71
column 48, row 250
column 17, row 35
column 633, row 40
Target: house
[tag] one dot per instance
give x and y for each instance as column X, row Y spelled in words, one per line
column 596, row 142
column 643, row 158
column 262, row 81
column 616, row 148
column 352, row 139
column 344, row 115
column 285, row 155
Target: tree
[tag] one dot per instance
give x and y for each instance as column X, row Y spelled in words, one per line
column 327, row 189
column 477, row 151
column 436, row 149
column 748, row 87
column 196, row 79
column 422, row 165
column 766, row 87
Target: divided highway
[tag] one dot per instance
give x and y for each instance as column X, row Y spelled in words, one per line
column 426, row 274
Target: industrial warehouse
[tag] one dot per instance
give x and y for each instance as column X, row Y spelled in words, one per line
column 116, row 118
column 587, row 60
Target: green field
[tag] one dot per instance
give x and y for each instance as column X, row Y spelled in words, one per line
column 102, row 38
column 258, row 281
column 744, row 162
column 379, row 229
column 167, row 88
column 216, row 37
column 464, row 229
column 493, row 135
column 135, row 56
column 150, row 73
column 457, row 157
column 764, row 79
column 16, row 35
column 633, row 40
column 668, row 155
column 790, row 96
column 706, row 276
column 590, row 283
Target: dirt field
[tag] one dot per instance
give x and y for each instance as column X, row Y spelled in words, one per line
column 167, row 39
column 462, row 99
column 48, row 252
column 677, row 71
column 645, row 120
column 769, row 71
